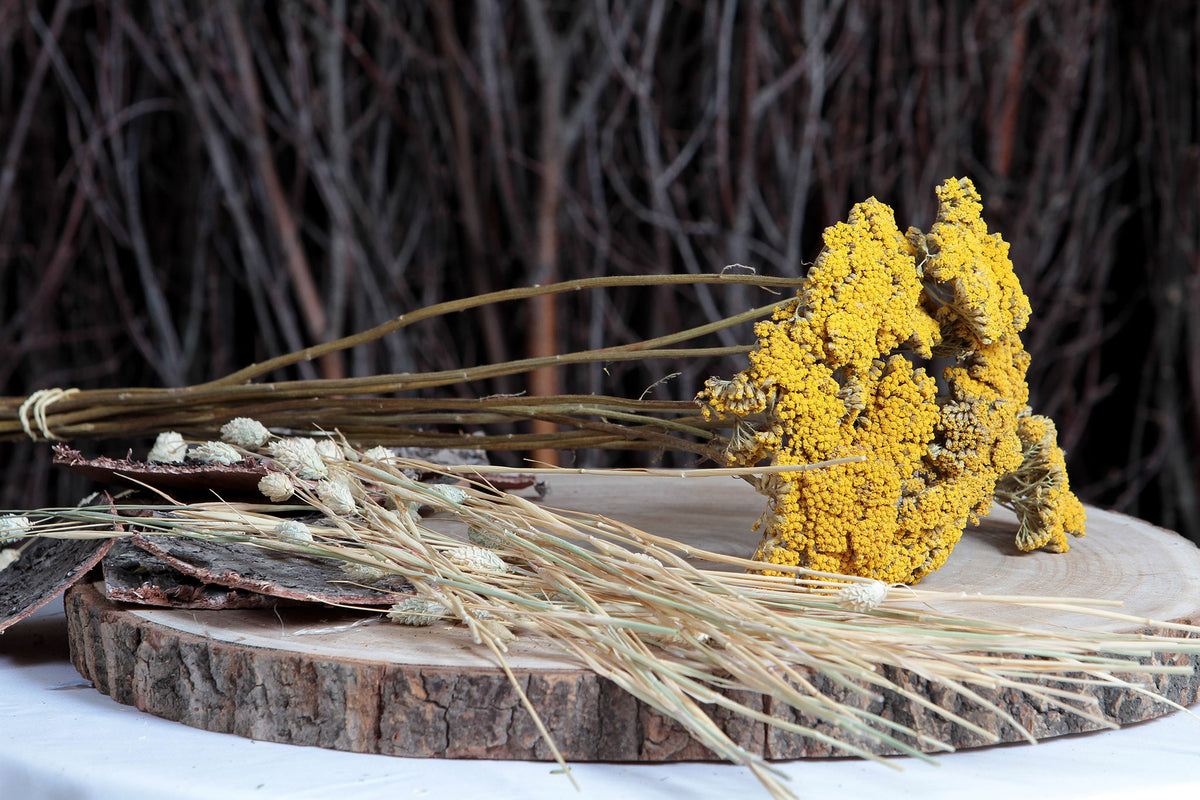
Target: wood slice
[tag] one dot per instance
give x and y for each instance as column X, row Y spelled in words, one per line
column 325, row 678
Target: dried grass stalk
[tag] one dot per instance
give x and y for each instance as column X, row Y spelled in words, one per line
column 365, row 409
column 635, row 607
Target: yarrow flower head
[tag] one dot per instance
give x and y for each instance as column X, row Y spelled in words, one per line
column 245, row 432
column 169, row 448
column 840, row 373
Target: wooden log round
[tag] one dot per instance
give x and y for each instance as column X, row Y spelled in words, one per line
column 322, row 677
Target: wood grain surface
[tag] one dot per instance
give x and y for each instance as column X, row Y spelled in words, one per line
column 335, row 679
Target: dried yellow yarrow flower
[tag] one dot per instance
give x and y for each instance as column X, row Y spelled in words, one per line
column 833, row 376
column 476, row 559
column 276, row 486
column 245, row 432
column 299, row 456
column 1039, row 491
column 169, row 448
column 215, row 453
column 337, row 496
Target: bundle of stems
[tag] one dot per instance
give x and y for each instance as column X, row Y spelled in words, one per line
column 640, row 610
column 367, row 409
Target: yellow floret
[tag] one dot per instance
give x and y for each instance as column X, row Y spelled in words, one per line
column 1038, row 489
column 968, row 271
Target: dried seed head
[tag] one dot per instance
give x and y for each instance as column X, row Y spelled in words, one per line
column 453, row 494
column 862, row 597
column 8, row 556
column 476, row 559
column 13, row 528
column 416, row 611
column 340, row 474
column 489, row 539
column 215, row 453
column 646, row 558
column 293, row 531
column 299, row 456
column 337, row 496
column 364, row 573
column 169, row 448
column 330, row 450
column 406, row 508
column 276, row 486
column 378, row 454
column 679, row 639
column 245, row 432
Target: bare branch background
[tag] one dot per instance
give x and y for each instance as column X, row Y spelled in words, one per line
column 189, row 187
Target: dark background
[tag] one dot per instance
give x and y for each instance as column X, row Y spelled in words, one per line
column 189, row 187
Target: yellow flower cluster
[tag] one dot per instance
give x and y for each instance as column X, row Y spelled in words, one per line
column 835, row 374
column 1038, row 491
column 967, row 272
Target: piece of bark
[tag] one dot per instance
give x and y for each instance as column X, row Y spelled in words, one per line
column 44, row 570
column 269, row 572
column 134, row 575
column 500, row 482
column 240, row 477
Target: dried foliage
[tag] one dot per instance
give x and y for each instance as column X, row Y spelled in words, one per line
column 186, row 188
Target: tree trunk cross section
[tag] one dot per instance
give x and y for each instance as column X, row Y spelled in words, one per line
column 312, row 677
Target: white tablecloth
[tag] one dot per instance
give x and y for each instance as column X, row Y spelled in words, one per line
column 59, row 738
